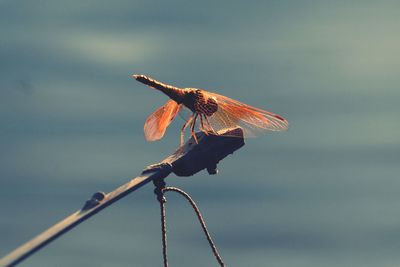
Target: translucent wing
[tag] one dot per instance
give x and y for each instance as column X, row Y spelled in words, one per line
column 158, row 121
column 232, row 113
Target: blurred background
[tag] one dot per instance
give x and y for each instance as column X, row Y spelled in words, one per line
column 325, row 193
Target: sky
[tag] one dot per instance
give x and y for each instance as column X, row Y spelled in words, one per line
column 324, row 193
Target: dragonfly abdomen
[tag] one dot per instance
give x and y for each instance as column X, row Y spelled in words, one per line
column 173, row 92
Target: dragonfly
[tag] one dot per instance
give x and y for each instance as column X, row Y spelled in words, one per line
column 212, row 112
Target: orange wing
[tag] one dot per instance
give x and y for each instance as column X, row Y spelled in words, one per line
column 232, row 113
column 158, row 121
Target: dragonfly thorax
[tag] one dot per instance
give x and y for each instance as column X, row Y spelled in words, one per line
column 198, row 102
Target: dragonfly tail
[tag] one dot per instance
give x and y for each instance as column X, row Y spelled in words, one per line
column 173, row 92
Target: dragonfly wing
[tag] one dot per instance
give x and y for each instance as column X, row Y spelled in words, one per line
column 158, row 121
column 232, row 113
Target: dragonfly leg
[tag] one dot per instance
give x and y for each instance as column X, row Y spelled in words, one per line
column 184, row 127
column 192, row 128
column 209, row 125
column 203, row 128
